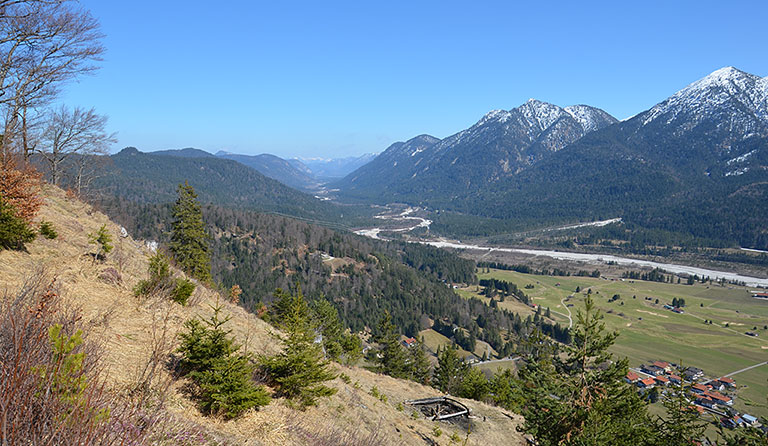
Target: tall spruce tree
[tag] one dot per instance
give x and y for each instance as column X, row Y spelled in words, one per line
column 392, row 359
column 418, row 363
column 189, row 239
column 581, row 398
column 450, row 372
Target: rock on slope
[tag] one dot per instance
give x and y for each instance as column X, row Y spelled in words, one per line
column 126, row 328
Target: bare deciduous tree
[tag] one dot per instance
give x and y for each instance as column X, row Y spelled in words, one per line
column 43, row 44
column 77, row 134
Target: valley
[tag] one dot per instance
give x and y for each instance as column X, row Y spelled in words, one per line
column 648, row 332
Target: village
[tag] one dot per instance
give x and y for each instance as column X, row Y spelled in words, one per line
column 707, row 395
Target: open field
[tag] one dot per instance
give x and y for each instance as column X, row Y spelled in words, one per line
column 649, row 332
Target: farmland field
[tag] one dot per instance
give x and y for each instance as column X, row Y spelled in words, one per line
column 649, row 332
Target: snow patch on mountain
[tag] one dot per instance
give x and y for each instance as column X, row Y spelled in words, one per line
column 707, row 97
column 740, row 159
column 540, row 114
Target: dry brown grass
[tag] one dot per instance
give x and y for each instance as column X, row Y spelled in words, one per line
column 131, row 332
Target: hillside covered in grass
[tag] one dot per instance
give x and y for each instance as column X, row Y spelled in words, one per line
column 134, row 342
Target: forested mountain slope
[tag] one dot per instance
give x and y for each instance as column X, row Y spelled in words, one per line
column 362, row 277
column 129, row 331
column 151, row 178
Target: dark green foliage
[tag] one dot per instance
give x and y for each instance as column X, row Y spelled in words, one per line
column 392, row 359
column 189, row 239
column 450, row 372
column 159, row 274
column 474, row 385
column 299, row 371
column 150, row 178
column 47, row 230
column 181, row 291
column 226, row 388
column 504, row 390
column 14, row 231
column 581, row 397
column 223, row 376
column 160, row 281
column 326, row 318
column 420, row 369
column 103, row 240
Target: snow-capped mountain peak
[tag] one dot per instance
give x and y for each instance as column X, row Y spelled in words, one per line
column 727, row 89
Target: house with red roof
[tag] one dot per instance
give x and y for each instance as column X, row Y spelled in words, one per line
column 663, row 365
column 719, row 398
column 727, row 382
column 674, row 379
column 699, row 388
column 663, row 380
column 646, row 383
column 409, row 342
column 631, row 377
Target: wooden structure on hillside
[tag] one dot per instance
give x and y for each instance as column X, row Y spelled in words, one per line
column 440, row 408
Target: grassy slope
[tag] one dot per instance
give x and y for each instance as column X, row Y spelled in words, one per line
column 662, row 334
column 124, row 326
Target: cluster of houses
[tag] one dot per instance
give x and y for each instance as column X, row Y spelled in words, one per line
column 710, row 395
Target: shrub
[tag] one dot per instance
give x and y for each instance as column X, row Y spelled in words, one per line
column 182, row 290
column 47, row 230
column 51, row 391
column 103, row 240
column 223, row 376
column 20, row 186
column 14, row 230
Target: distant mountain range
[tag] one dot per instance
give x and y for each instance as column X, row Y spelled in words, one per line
column 153, row 178
column 331, row 168
column 499, row 146
column 304, row 174
column 695, row 163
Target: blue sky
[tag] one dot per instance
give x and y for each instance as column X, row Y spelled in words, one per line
column 338, row 79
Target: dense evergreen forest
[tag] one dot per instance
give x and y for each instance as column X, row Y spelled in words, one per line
column 362, row 277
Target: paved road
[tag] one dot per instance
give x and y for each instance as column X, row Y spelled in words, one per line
column 496, row 360
column 745, row 369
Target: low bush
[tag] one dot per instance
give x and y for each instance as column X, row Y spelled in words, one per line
column 47, row 230
column 182, row 289
column 15, row 232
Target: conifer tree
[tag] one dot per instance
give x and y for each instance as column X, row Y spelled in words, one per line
column 326, row 318
column 299, row 370
column 14, row 231
column 582, row 399
column 393, row 359
column 210, row 357
column 418, row 364
column 189, row 239
column 450, row 371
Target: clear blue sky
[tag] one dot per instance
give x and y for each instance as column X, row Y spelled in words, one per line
column 344, row 78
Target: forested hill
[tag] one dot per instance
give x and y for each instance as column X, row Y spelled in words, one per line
column 363, row 277
column 150, row 178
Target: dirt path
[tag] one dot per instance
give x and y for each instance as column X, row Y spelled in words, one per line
column 570, row 319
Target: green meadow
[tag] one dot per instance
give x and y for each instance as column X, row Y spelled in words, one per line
column 649, row 332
